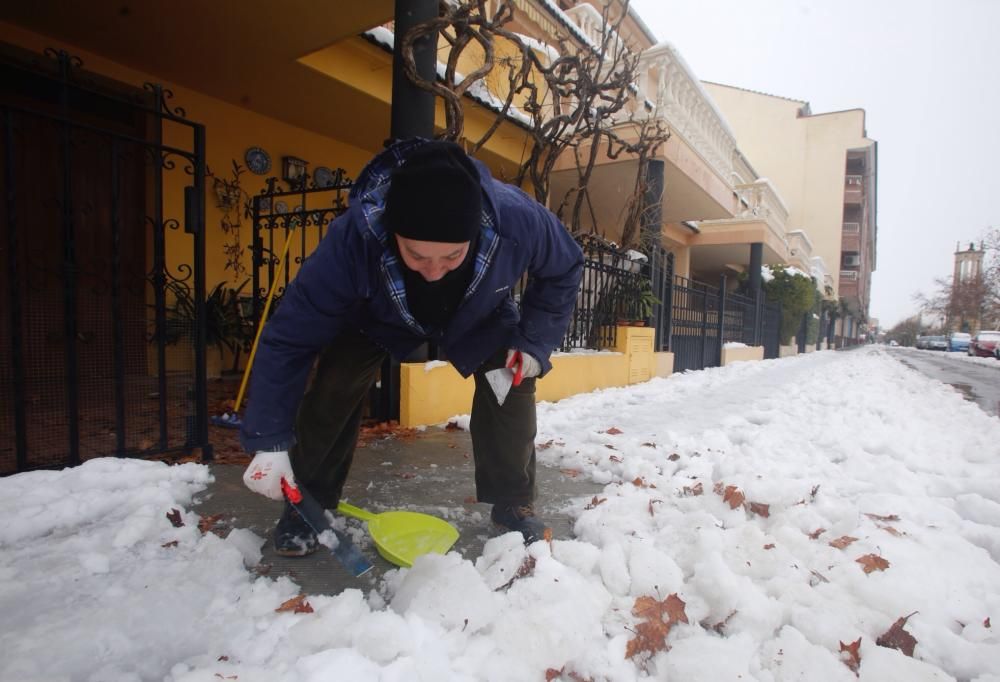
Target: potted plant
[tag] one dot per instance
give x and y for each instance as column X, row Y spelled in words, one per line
column 225, row 327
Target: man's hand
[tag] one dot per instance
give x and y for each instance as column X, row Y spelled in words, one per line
column 524, row 365
column 265, row 472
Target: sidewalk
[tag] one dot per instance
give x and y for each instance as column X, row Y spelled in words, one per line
column 430, row 472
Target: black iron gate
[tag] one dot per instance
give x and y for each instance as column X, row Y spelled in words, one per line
column 287, row 226
column 695, row 323
column 104, row 213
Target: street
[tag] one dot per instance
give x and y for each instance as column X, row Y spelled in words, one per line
column 977, row 381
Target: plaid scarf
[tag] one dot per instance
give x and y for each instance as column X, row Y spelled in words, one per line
column 371, row 196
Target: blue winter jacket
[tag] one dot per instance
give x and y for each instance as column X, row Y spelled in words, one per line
column 353, row 281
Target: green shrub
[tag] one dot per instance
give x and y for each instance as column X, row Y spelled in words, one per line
column 795, row 293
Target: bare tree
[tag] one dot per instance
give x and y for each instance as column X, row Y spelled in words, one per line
column 579, row 103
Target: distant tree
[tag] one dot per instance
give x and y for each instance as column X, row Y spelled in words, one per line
column 991, row 279
column 905, row 333
column 968, row 304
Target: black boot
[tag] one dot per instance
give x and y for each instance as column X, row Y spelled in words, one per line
column 520, row 518
column 292, row 535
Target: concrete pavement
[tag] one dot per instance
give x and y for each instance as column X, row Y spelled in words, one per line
column 431, row 472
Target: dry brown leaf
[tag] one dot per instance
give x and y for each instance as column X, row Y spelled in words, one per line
column 572, row 473
column 770, row 545
column 819, row 577
column 638, row 482
column 208, row 523
column 898, row 638
column 733, row 496
column 760, row 509
column 295, row 605
column 651, row 503
column 851, row 655
column 172, row 543
column 872, row 562
column 553, row 674
column 879, row 517
column 609, row 446
column 527, row 567
column 648, row 445
column 658, row 618
column 890, row 530
column 719, row 627
column 547, row 536
column 816, row 533
column 174, row 516
column 596, row 501
column 843, row 541
column 471, row 499
column 452, row 426
column 615, row 458
column 613, row 431
column 693, row 491
column 673, row 457
column 986, row 623
column 222, row 658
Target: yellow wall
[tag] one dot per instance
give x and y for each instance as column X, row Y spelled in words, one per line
column 736, row 354
column 430, row 393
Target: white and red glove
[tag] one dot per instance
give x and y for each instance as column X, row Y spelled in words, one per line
column 523, row 365
column 266, row 471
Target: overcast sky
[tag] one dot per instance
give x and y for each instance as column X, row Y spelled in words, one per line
column 928, row 76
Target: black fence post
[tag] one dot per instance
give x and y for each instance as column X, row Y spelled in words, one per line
column 669, row 303
column 721, row 323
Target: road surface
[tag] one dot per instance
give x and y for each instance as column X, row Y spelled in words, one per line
column 977, row 381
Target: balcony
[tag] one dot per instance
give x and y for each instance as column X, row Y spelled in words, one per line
column 854, row 192
column 800, row 250
column 681, row 101
column 761, row 217
column 850, row 242
column 852, row 228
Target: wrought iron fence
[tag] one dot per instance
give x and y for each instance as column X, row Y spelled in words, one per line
column 288, row 225
column 615, row 287
column 739, row 321
column 94, row 195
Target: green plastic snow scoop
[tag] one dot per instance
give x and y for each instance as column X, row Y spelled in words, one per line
column 402, row 536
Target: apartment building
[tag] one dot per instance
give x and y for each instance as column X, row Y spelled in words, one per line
column 825, row 167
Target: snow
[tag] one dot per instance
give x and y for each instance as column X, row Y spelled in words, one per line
column 94, row 587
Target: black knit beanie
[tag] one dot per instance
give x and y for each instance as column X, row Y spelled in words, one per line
column 435, row 195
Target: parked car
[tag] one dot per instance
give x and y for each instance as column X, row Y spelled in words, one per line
column 959, row 341
column 921, row 342
column 936, row 343
column 984, row 344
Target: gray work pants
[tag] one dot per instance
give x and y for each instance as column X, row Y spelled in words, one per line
column 329, row 419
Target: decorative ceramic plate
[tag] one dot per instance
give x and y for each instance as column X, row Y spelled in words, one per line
column 323, row 176
column 258, row 161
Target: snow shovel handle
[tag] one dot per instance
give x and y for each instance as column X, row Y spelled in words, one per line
column 355, row 512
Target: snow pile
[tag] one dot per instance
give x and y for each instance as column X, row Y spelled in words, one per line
column 725, row 488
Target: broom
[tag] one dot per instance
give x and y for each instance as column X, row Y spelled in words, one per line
column 232, row 419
